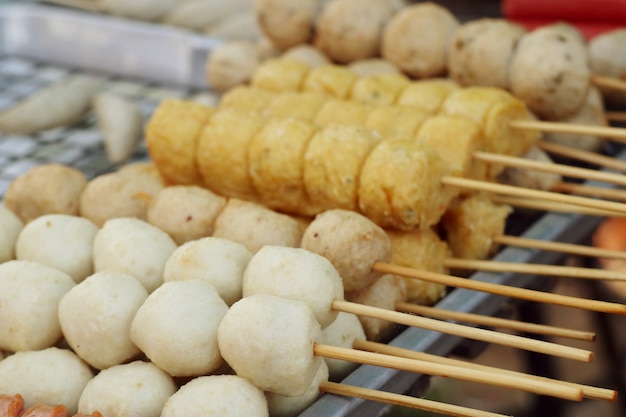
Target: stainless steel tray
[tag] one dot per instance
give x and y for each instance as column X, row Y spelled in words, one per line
column 42, row 44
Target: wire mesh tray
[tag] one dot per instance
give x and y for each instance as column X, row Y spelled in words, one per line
column 40, row 45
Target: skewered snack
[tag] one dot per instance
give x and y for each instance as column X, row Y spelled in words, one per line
column 48, row 376
column 416, row 39
column 61, row 241
column 60, row 188
column 373, row 66
column 124, row 193
column 34, row 288
column 164, row 317
column 306, row 54
column 528, row 178
column 350, row 30
column 220, row 262
column 178, row 140
column 606, row 58
column 239, row 26
column 289, row 365
column 185, row 212
column 471, row 222
column 480, row 52
column 10, row 228
column 232, row 64
column 255, row 226
column 132, row 389
column 424, row 250
column 290, row 406
column 210, row 396
column 273, row 270
column 108, row 302
column 384, row 293
column 342, row 332
column 355, row 245
column 135, row 247
column 61, row 104
column 287, row 23
column 550, row 71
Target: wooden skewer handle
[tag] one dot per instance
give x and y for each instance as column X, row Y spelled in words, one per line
column 586, row 156
column 610, row 83
column 602, row 131
column 403, row 400
column 488, row 336
column 449, row 371
column 505, row 290
column 534, row 194
column 535, row 269
column 588, row 391
column 559, row 247
column 495, row 322
column 589, row 191
column 551, row 206
column 570, row 171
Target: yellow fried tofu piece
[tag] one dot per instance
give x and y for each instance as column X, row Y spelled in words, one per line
column 395, row 121
column 455, row 139
column 331, row 80
column 337, row 111
column 426, row 95
column 276, row 161
column 493, row 109
column 471, row 222
column 332, row 164
column 280, row 74
column 246, row 98
column 424, row 250
column 172, row 136
column 401, row 185
column 223, row 153
column 378, row 89
column 303, row 106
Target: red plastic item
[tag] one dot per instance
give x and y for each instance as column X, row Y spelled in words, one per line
column 612, row 11
column 588, row 29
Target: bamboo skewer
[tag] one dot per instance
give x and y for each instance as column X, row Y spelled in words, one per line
column 615, row 133
column 403, row 400
column 535, row 269
column 617, row 116
column 610, row 206
column 457, row 372
column 505, row 290
column 609, row 193
column 586, row 156
column 575, row 172
column 552, row 206
column 610, row 83
column 468, row 332
column 588, row 391
column 541, row 329
column 559, row 247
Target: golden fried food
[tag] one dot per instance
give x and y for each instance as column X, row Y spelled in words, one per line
column 332, row 80
column 344, row 112
column 171, row 136
column 222, row 153
column 281, row 75
column 424, row 250
column 400, row 185
column 470, row 223
column 426, row 95
column 246, row 99
column 276, row 162
column 332, row 165
column 303, row 106
column 395, row 121
column 378, row 89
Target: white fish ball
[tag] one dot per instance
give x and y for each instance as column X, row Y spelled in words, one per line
column 342, row 332
column 133, row 389
column 10, row 227
column 95, row 317
column 48, row 376
column 176, row 327
column 29, row 298
column 218, row 261
column 296, row 274
column 61, row 241
column 217, row 396
column 284, row 406
column 134, row 247
column 269, row 341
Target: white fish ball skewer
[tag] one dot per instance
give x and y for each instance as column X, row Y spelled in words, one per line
column 187, row 312
column 10, row 227
column 218, row 261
